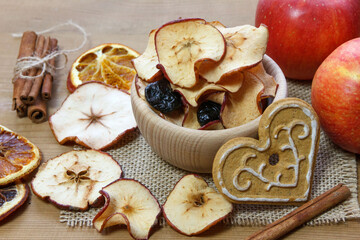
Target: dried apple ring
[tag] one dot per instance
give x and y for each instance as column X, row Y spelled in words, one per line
column 96, row 116
column 182, row 45
column 145, row 64
column 243, row 106
column 131, row 203
column 73, row 180
column 245, row 47
column 193, row 207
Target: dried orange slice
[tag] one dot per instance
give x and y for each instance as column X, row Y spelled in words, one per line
column 18, row 156
column 109, row 63
column 12, row 197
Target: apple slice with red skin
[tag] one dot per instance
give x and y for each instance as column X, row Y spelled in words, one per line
column 140, row 87
column 131, row 203
column 202, row 87
column 270, row 85
column 95, row 115
column 245, row 47
column 193, row 207
column 182, row 45
column 12, row 197
column 73, row 179
column 145, row 64
column 243, row 106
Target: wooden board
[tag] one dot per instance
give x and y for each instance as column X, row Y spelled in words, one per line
column 126, row 22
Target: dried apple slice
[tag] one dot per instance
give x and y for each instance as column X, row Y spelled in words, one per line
column 12, row 197
column 193, row 207
column 18, row 156
column 140, row 87
column 190, row 118
column 176, row 117
column 73, row 179
column 245, row 47
column 217, row 24
column 192, row 95
column 131, row 203
column 145, row 64
column 270, row 85
column 95, row 115
column 202, row 87
column 182, row 45
column 243, row 106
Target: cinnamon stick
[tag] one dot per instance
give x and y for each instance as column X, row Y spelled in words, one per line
column 38, row 81
column 27, row 47
column 37, row 112
column 48, row 79
column 303, row 214
column 39, row 48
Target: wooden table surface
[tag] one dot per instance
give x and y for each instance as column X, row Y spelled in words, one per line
column 126, row 22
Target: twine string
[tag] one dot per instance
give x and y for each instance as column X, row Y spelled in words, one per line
column 25, row 63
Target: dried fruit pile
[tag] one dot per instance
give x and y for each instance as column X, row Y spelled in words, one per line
column 197, row 74
column 191, row 61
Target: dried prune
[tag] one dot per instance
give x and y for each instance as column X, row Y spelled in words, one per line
column 265, row 101
column 208, row 111
column 161, row 97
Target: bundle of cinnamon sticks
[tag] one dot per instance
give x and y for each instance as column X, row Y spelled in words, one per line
column 30, row 95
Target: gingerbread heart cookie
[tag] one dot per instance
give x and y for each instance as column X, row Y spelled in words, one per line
column 278, row 167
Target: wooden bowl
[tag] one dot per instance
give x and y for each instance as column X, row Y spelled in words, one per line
column 189, row 149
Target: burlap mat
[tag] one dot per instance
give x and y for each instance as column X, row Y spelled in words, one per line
column 333, row 166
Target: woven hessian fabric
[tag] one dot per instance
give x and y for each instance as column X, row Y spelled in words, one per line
column 333, row 166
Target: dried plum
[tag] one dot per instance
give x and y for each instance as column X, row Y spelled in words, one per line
column 265, row 101
column 208, row 111
column 161, row 97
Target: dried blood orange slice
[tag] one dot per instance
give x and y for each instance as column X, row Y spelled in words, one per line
column 109, row 63
column 12, row 197
column 18, row 156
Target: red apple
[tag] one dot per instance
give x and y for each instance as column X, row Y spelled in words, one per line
column 335, row 95
column 302, row 33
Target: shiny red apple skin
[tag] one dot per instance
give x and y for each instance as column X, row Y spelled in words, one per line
column 302, row 33
column 335, row 95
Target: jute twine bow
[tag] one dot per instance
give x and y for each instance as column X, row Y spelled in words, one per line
column 26, row 63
